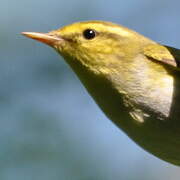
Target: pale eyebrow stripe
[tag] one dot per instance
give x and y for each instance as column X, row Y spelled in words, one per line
column 105, row 34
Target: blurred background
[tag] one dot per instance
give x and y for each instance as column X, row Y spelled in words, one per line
column 50, row 128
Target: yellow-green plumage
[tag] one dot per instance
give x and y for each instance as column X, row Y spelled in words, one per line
column 133, row 79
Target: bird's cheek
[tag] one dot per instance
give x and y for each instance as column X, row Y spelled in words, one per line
column 61, row 47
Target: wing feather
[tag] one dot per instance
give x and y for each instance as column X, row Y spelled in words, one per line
column 163, row 54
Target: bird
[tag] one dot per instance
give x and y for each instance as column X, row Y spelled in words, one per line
column 134, row 80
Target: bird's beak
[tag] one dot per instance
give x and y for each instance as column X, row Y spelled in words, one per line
column 46, row 38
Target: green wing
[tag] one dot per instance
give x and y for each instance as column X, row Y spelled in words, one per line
column 163, row 54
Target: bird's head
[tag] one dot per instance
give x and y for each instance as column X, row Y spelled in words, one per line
column 97, row 45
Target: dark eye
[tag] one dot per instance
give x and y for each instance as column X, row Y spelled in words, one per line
column 89, row 34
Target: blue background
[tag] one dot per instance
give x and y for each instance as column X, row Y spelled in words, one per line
column 50, row 128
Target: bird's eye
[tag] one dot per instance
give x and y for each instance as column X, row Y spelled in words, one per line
column 89, row 34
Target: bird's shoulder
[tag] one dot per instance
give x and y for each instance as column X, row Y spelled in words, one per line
column 163, row 54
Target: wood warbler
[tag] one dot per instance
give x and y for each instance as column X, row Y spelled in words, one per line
column 134, row 80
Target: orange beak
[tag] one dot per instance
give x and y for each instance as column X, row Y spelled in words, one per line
column 46, row 38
